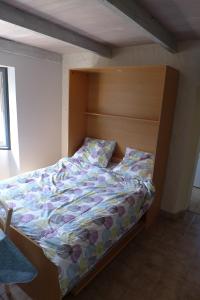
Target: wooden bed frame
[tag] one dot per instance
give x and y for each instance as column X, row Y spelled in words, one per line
column 135, row 107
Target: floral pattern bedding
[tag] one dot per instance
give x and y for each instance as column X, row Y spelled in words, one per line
column 75, row 212
column 136, row 163
column 95, row 152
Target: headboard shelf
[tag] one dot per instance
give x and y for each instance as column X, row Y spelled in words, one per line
column 119, row 116
column 132, row 105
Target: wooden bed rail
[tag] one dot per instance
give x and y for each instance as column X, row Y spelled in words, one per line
column 6, row 223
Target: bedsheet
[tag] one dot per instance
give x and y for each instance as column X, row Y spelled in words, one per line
column 75, row 212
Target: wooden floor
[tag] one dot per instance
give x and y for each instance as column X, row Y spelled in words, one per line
column 163, row 263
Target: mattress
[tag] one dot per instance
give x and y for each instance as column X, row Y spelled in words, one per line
column 75, row 212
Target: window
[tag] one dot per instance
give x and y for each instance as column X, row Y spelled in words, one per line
column 4, row 110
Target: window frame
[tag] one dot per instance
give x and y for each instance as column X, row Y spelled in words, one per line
column 4, row 72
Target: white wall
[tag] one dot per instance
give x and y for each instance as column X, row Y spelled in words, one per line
column 39, row 105
column 187, row 116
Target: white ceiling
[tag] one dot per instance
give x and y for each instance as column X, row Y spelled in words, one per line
column 88, row 17
column 181, row 17
column 29, row 37
column 97, row 21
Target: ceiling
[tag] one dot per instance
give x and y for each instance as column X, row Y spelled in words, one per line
column 181, row 17
column 32, row 38
column 97, row 21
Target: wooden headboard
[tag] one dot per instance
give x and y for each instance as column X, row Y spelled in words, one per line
column 132, row 105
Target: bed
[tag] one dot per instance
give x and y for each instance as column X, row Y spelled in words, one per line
column 75, row 212
column 122, row 207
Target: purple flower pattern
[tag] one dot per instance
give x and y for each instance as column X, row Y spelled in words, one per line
column 136, row 164
column 96, row 152
column 73, row 214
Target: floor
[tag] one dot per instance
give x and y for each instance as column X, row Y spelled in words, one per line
column 162, row 263
column 195, row 201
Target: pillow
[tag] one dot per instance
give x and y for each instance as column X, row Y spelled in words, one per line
column 96, row 152
column 137, row 155
column 136, row 164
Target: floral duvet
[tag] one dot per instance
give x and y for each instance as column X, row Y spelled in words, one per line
column 75, row 212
